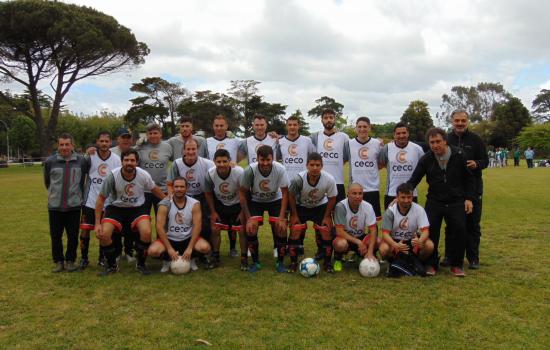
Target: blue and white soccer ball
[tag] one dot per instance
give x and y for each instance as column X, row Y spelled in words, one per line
column 309, row 267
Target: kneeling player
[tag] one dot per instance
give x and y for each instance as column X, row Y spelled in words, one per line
column 178, row 227
column 400, row 225
column 351, row 218
column 312, row 196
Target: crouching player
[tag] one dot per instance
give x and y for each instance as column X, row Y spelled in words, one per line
column 221, row 189
column 312, row 196
column 400, row 226
column 352, row 216
column 178, row 227
column 125, row 187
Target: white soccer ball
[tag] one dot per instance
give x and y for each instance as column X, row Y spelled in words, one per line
column 369, row 268
column 309, row 267
column 180, row 266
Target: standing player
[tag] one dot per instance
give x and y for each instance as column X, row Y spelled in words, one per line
column 400, row 158
column 312, row 196
column 250, row 145
column 222, row 195
column 294, row 148
column 405, row 227
column 264, row 187
column 352, row 217
column 363, row 164
column 124, row 142
column 100, row 164
column 186, row 133
column 125, row 187
column 220, row 139
column 178, row 227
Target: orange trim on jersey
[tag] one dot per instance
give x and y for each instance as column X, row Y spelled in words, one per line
column 133, row 226
column 425, row 228
column 366, row 240
column 371, row 226
column 87, row 227
column 116, row 224
column 386, row 232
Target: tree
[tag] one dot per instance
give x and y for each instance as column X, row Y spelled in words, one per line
column 273, row 112
column 479, row 101
column 63, row 44
column 536, row 136
column 541, row 106
column 511, row 117
column 418, row 120
column 326, row 102
column 384, row 131
column 160, row 101
column 23, row 134
column 242, row 91
column 304, row 125
column 203, row 106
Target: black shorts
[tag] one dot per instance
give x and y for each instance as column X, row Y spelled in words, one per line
column 205, row 211
column 341, row 192
column 373, row 198
column 126, row 218
column 229, row 216
column 87, row 219
column 151, row 201
column 389, row 199
column 315, row 215
column 257, row 210
column 179, row 246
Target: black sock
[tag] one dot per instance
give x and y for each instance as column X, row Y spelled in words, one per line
column 319, row 241
column 253, row 246
column 281, row 248
column 216, row 256
column 110, row 254
column 293, row 249
column 244, row 258
column 141, row 251
column 327, row 245
column 84, row 246
column 232, row 239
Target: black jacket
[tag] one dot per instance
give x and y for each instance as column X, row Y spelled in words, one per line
column 474, row 149
column 451, row 185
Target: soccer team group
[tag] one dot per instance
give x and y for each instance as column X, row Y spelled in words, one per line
column 296, row 179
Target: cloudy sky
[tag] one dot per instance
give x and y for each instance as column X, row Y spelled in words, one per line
column 372, row 56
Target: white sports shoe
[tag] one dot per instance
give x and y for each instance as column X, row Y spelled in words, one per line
column 165, row 266
column 130, row 259
column 275, row 253
column 194, row 266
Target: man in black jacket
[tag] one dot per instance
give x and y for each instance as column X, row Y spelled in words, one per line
column 477, row 160
column 450, row 192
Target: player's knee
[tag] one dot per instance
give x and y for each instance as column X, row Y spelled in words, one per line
column 384, row 249
column 202, row 246
column 428, row 247
column 340, row 245
column 155, row 250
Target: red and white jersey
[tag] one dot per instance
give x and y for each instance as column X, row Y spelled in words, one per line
column 401, row 164
column 294, row 154
column 334, row 149
column 98, row 171
column 127, row 193
column 363, row 163
column 226, row 190
column 194, row 173
column 179, row 224
column 403, row 226
column 354, row 222
column 251, row 144
column 230, row 144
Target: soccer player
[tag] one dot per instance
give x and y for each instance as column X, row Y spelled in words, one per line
column 220, row 139
column 154, row 157
column 178, row 227
column 221, row 189
column 400, row 158
column 294, row 148
column 405, row 227
column 264, row 187
column 125, row 187
column 352, row 218
column 186, row 133
column 312, row 196
column 124, row 142
column 450, row 190
column 363, row 163
column 250, row 145
column 100, row 164
column 64, row 175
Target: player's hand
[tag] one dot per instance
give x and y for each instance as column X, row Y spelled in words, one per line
column 232, row 164
column 417, row 243
column 99, row 231
column 402, row 247
column 471, row 164
column 187, row 253
column 468, row 206
column 371, row 257
column 294, row 220
column 362, row 247
column 281, row 224
column 173, row 254
column 250, row 226
column 90, row 150
column 214, row 217
column 392, row 202
column 327, row 221
column 273, row 135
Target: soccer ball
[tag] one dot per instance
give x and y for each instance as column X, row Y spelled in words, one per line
column 180, row 266
column 309, row 267
column 369, row 268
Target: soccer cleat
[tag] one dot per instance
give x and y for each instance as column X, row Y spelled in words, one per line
column 280, row 267
column 458, row 271
column 143, row 270
column 59, row 267
column 212, row 263
column 101, row 262
column 71, row 266
column 445, row 262
column 430, row 271
column 337, row 266
column 84, row 264
column 194, row 266
column 108, row 270
column 293, row 267
column 329, row 268
column 255, row 267
column 233, row 253
column 474, row 265
column 130, row 259
column 165, row 266
column 320, row 255
column 244, row 266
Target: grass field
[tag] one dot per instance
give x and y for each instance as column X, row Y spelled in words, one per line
column 505, row 304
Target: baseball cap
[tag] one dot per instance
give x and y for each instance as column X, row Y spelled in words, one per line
column 122, row 132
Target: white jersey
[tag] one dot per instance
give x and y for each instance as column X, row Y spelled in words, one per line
column 230, row 144
column 404, row 226
column 226, row 190
column 400, row 165
column 354, row 223
column 251, row 144
column 265, row 189
column 155, row 160
column 127, row 193
column 334, row 149
column 179, row 224
column 98, row 171
column 363, row 164
column 313, row 195
column 194, row 173
column 294, row 154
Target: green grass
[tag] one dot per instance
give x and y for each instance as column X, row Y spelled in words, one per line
column 506, row 304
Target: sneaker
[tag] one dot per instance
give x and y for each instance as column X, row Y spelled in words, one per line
column 337, row 266
column 143, row 270
column 71, row 266
column 275, row 254
column 293, row 267
column 445, row 262
column 130, row 259
column 233, row 253
column 108, row 270
column 212, row 263
column 458, row 271
column 59, row 267
column 280, row 267
column 194, row 266
column 430, row 271
column 329, row 268
column 320, row 255
column 165, row 266
column 84, row 264
column 101, row 262
column 474, row 265
column 244, row 266
column 255, row 267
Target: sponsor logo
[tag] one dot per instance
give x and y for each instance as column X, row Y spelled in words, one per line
column 220, row 146
column 363, row 153
column 328, row 144
column 102, row 170
column 313, row 194
column 293, row 150
column 404, row 224
column 190, row 175
column 224, row 187
column 353, row 222
column 129, row 189
column 401, row 156
column 154, row 154
column 179, row 218
column 264, row 185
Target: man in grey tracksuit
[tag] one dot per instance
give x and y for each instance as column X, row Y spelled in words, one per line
column 64, row 175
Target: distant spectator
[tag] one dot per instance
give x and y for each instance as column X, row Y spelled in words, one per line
column 529, row 155
column 517, row 156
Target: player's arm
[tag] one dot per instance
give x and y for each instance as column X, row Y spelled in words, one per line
column 387, row 226
column 282, row 214
column 295, row 187
column 373, row 231
column 418, row 172
column 418, row 242
column 327, row 217
column 196, row 232
column 99, row 203
column 214, row 216
column 162, row 214
column 383, row 157
column 243, row 195
column 242, row 151
column 47, row 169
column 172, row 174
